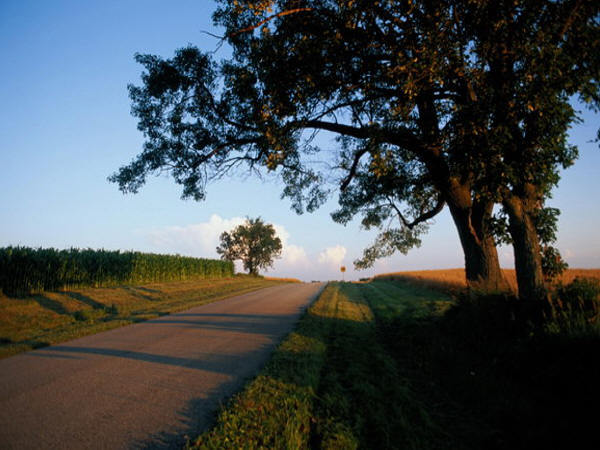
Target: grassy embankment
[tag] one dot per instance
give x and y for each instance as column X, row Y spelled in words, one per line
column 52, row 317
column 390, row 364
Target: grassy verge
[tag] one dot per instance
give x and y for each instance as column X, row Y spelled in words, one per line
column 391, row 364
column 52, row 317
column 330, row 384
column 488, row 378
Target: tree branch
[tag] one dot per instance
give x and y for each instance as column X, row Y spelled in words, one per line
column 268, row 19
column 357, row 156
column 423, row 217
column 400, row 137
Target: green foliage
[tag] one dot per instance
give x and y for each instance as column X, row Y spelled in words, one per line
column 254, row 242
column 575, row 309
column 388, row 242
column 552, row 263
column 26, row 270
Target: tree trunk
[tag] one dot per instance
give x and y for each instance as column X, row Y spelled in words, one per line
column 528, row 256
column 252, row 270
column 482, row 267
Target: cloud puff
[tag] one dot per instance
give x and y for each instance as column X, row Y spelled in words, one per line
column 294, row 254
column 332, row 256
column 199, row 239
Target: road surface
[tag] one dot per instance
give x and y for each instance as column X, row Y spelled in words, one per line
column 148, row 385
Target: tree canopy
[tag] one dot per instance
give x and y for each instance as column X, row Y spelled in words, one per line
column 254, row 243
column 456, row 103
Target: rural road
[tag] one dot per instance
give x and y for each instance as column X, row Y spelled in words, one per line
column 146, row 385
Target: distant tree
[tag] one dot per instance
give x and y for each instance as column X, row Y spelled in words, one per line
column 254, row 243
column 455, row 103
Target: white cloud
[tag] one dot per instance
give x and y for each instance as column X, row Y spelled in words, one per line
column 293, row 257
column 294, row 254
column 199, row 239
column 332, row 256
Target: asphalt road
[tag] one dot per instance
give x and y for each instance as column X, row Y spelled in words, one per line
column 147, row 385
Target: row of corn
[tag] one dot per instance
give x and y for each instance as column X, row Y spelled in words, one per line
column 25, row 270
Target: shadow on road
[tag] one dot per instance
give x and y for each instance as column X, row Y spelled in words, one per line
column 207, row 362
column 263, row 324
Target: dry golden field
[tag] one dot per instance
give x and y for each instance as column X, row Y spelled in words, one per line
column 283, row 280
column 453, row 280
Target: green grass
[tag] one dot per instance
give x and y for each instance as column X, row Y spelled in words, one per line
column 388, row 365
column 330, row 384
column 51, row 317
column 487, row 376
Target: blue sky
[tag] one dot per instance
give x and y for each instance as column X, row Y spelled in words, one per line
column 65, row 126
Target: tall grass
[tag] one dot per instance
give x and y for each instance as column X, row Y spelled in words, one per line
column 25, row 270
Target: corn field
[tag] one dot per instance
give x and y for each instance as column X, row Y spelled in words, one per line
column 25, row 270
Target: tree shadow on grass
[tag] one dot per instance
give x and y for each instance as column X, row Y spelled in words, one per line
column 135, row 291
column 86, row 300
column 50, row 305
column 146, row 289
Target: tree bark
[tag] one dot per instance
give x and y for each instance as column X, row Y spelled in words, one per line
column 528, row 257
column 482, row 267
column 251, row 267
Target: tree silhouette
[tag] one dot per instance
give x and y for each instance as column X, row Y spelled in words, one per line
column 452, row 103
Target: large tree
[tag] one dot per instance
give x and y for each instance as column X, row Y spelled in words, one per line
column 533, row 57
column 412, row 89
column 254, row 242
